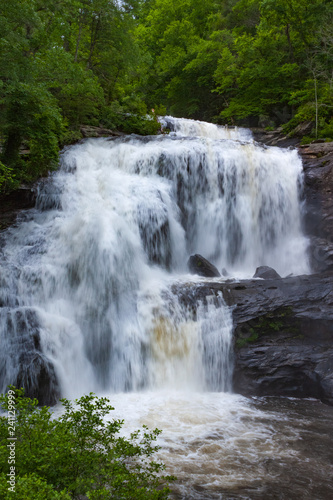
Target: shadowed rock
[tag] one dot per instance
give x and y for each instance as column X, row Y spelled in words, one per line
column 199, row 265
column 266, row 272
column 22, row 362
column 283, row 333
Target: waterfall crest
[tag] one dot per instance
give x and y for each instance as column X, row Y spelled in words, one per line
column 87, row 275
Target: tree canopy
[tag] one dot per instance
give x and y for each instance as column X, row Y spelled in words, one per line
column 66, row 63
column 233, row 61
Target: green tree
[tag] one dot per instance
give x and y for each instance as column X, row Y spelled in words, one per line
column 175, row 35
column 265, row 69
column 63, row 63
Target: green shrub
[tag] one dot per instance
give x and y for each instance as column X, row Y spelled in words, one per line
column 78, row 453
column 326, row 130
column 30, row 487
column 7, row 179
column 306, row 140
column 130, row 117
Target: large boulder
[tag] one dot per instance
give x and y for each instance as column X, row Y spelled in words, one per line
column 266, row 273
column 197, row 264
column 284, row 336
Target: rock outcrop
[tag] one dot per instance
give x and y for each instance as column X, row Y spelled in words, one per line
column 283, row 333
column 318, row 179
column 283, row 337
column 11, row 205
column 91, row 131
column 266, row 273
column 22, row 362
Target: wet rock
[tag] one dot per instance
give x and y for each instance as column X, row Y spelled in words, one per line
column 22, row 362
column 284, row 338
column 36, row 374
column 318, row 219
column 284, row 355
column 91, row 131
column 156, row 240
column 283, row 333
column 11, row 204
column 199, row 265
column 266, row 273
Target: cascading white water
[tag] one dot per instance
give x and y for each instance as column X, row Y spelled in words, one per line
column 195, row 128
column 89, row 298
column 87, row 275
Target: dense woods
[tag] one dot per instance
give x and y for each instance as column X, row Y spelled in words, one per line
column 67, row 63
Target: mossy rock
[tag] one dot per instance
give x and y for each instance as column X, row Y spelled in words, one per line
column 281, row 320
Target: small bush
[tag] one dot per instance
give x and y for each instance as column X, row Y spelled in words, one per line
column 8, row 181
column 130, row 117
column 326, row 130
column 306, row 140
column 79, row 454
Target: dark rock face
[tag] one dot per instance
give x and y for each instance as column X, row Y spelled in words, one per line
column 284, row 337
column 274, row 138
column 22, row 362
column 266, row 272
column 318, row 177
column 199, row 265
column 11, row 204
column 37, row 376
column 91, row 131
column 283, row 334
column 282, row 354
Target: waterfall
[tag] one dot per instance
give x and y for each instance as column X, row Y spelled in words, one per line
column 195, row 128
column 87, row 276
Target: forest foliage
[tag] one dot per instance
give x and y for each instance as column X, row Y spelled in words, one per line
column 66, row 63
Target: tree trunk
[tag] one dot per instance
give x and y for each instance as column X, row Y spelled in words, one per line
column 11, row 148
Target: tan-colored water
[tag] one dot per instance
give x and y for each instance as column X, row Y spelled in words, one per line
column 224, row 446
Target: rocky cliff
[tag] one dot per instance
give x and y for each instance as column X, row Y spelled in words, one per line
column 318, row 178
column 283, row 333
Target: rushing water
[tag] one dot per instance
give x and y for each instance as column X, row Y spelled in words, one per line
column 225, row 447
column 88, row 300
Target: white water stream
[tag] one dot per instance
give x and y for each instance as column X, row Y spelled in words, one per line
column 87, row 281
